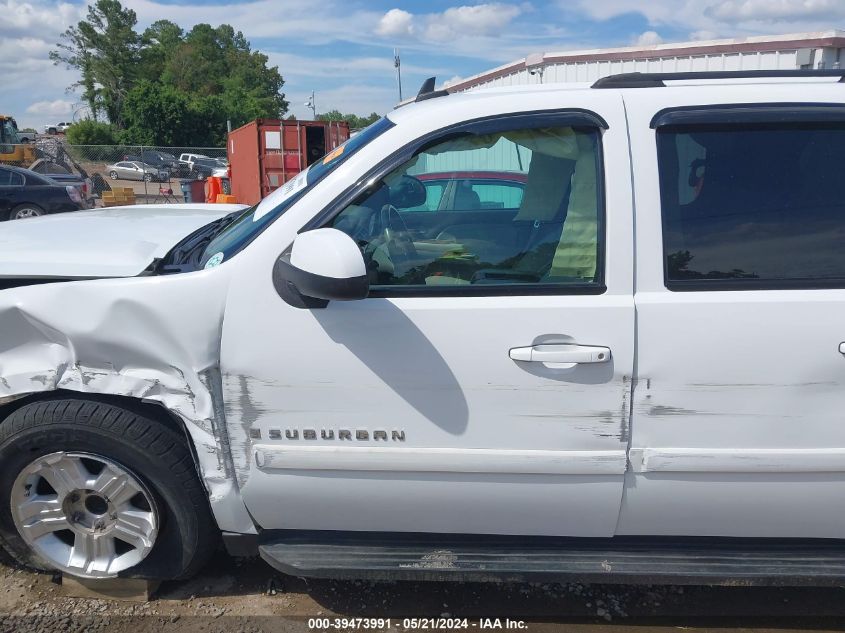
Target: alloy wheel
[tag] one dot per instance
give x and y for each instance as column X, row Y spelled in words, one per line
column 27, row 212
column 84, row 514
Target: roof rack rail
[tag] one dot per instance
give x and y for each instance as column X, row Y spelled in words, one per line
column 656, row 80
column 427, row 90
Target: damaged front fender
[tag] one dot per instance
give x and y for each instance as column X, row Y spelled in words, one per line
column 155, row 339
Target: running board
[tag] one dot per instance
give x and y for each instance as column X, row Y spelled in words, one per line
column 705, row 561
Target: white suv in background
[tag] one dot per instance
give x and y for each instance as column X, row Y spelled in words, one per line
column 58, row 128
column 629, row 367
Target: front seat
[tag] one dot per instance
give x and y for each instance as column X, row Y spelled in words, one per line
column 542, row 213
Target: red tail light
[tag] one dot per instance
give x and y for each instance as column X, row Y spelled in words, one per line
column 73, row 193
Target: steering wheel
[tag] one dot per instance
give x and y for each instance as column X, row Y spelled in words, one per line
column 397, row 239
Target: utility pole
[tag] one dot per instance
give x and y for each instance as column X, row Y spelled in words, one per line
column 313, row 105
column 397, row 64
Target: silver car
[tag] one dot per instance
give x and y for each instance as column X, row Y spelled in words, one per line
column 136, row 170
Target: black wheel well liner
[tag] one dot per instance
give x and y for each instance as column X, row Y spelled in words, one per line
column 152, row 410
column 149, row 409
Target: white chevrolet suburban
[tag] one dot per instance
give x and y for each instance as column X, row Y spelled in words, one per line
column 615, row 352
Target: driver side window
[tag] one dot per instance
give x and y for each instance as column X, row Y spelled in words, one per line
column 519, row 207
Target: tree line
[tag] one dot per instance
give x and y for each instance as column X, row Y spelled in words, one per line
column 167, row 86
column 355, row 122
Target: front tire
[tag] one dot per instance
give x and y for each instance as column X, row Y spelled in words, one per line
column 95, row 490
column 113, row 175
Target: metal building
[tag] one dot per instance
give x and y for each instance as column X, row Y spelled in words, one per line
column 797, row 50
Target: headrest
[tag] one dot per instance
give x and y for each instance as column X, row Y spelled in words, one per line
column 548, row 182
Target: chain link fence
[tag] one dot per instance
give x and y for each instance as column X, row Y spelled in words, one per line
column 124, row 174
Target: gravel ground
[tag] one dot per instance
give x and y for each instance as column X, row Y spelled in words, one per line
column 233, row 595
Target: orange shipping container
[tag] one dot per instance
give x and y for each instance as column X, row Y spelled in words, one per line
column 266, row 153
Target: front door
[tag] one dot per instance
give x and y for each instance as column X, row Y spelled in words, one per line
column 484, row 386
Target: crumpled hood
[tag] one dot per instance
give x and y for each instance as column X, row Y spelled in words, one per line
column 115, row 242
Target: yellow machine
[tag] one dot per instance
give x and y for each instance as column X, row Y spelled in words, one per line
column 12, row 151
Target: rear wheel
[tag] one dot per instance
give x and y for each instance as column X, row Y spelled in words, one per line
column 95, row 491
column 24, row 211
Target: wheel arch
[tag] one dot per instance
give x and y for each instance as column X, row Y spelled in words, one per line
column 153, row 410
column 223, row 494
column 142, row 439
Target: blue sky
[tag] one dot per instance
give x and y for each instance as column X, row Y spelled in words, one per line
column 342, row 49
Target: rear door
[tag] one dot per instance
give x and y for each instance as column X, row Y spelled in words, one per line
column 483, row 387
column 738, row 409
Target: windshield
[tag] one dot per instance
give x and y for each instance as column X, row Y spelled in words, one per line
column 255, row 219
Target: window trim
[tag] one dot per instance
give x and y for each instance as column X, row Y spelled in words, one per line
column 774, row 114
column 752, row 116
column 564, row 117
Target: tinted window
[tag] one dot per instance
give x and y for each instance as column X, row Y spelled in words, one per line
column 753, row 206
column 485, row 231
column 10, row 178
column 461, row 192
column 496, row 194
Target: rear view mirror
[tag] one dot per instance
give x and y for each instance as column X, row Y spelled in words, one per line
column 407, row 192
column 323, row 265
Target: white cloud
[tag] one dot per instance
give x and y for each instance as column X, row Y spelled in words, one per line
column 704, row 35
column 60, row 108
column 396, row 22
column 452, row 24
column 28, row 76
column 648, row 38
column 29, row 30
column 455, row 79
column 480, row 19
column 15, row 49
column 761, row 10
column 21, row 18
column 726, row 17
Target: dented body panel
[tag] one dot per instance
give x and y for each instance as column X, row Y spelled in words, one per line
column 155, row 339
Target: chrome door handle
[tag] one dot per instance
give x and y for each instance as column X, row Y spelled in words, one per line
column 564, row 354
